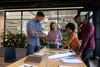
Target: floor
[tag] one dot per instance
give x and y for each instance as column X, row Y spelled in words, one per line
column 93, row 63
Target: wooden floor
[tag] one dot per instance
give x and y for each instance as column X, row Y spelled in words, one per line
column 93, row 63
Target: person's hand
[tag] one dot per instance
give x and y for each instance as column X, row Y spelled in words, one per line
column 40, row 35
column 79, row 54
column 52, row 38
column 79, row 29
column 60, row 49
column 56, row 39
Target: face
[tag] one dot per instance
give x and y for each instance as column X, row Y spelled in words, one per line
column 39, row 18
column 69, row 30
column 53, row 26
column 78, row 21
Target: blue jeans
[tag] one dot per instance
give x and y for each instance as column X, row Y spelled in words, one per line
column 54, row 46
column 78, row 48
column 86, row 56
column 31, row 49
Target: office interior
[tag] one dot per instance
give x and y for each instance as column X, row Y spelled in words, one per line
column 15, row 14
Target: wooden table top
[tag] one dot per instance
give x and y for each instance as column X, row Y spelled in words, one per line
column 52, row 63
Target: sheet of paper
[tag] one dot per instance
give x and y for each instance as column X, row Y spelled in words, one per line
column 61, row 55
column 69, row 66
column 41, row 53
column 27, row 65
column 71, row 60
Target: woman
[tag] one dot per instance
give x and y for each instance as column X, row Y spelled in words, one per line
column 72, row 38
column 54, row 36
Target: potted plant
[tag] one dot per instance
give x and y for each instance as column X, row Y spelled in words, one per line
column 17, row 40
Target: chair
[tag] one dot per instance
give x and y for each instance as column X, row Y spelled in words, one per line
column 10, row 55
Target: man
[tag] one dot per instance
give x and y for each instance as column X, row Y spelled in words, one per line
column 86, row 34
column 34, row 31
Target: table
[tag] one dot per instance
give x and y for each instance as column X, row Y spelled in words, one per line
column 52, row 63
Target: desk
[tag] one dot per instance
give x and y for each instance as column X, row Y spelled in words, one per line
column 53, row 62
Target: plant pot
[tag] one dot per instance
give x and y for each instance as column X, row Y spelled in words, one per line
column 20, row 52
column 2, row 51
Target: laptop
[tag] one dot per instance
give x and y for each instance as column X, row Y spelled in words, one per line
column 33, row 59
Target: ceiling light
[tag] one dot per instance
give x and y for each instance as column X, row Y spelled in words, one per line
column 46, row 19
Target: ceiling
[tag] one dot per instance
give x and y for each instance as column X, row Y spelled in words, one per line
column 14, row 4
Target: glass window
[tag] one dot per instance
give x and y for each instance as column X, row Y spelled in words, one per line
column 29, row 14
column 12, row 25
column 84, row 13
column 13, row 21
column 91, row 20
column 91, row 13
column 66, row 16
column 13, row 15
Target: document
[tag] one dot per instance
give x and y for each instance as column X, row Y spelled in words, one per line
column 41, row 53
column 69, row 66
column 27, row 65
column 70, row 59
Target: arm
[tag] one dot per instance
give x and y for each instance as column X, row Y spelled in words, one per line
column 69, row 47
column 86, row 36
column 40, row 31
column 69, row 41
column 40, row 34
column 30, row 31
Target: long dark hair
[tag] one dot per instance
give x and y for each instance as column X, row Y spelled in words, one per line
column 51, row 25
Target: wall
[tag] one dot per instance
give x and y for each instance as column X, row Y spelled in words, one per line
column 1, row 24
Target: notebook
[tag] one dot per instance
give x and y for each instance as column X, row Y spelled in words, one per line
column 33, row 59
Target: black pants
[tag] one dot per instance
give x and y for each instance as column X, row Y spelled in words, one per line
column 86, row 56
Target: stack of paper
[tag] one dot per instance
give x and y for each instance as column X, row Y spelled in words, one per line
column 70, row 59
column 27, row 65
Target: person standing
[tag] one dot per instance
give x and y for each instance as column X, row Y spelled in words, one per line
column 86, row 34
column 34, row 31
column 54, row 36
column 73, row 41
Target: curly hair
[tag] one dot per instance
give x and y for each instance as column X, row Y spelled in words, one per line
column 71, row 26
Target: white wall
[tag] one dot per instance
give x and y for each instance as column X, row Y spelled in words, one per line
column 1, row 24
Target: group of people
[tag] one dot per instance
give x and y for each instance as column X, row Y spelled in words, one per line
column 85, row 33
